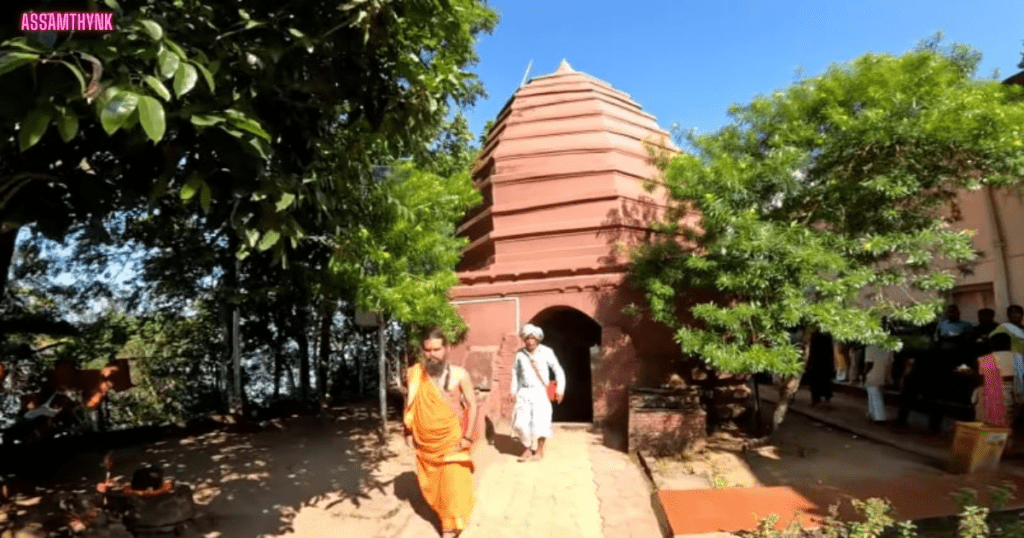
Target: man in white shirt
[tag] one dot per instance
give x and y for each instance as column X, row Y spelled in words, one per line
column 531, row 375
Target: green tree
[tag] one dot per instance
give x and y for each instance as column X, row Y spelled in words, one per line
column 405, row 257
column 818, row 197
column 235, row 113
column 222, row 108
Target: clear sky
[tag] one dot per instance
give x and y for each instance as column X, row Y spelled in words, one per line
column 685, row 62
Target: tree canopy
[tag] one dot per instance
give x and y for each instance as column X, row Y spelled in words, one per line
column 815, row 194
column 226, row 107
column 235, row 153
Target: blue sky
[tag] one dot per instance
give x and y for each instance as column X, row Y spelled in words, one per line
column 685, row 62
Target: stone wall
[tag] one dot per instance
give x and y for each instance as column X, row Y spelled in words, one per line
column 726, row 397
column 666, row 421
column 614, row 370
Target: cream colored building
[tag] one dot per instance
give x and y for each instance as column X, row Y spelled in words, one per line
column 996, row 278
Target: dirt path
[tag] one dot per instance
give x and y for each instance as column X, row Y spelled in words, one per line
column 245, row 484
column 332, row 476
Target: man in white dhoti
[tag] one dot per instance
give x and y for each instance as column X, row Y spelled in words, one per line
column 531, row 375
column 878, row 362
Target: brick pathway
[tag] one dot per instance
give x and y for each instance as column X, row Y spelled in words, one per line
column 624, row 494
column 581, row 489
column 553, row 497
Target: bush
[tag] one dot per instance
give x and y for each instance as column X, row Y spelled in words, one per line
column 973, row 522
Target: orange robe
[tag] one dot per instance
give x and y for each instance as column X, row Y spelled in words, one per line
column 445, row 472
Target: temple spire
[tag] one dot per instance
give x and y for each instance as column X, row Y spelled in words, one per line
column 564, row 67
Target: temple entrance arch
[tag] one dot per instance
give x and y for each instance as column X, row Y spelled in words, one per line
column 571, row 334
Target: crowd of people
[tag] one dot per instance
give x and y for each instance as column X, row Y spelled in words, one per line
column 977, row 366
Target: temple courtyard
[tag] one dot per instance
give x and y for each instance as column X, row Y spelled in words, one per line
column 331, row 475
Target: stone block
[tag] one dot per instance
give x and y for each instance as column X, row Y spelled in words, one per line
column 663, row 422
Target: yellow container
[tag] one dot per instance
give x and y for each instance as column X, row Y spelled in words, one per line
column 977, row 447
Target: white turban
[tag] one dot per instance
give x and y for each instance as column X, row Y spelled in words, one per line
column 532, row 330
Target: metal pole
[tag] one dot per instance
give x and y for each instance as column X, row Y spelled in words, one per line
column 382, row 384
column 526, row 74
column 236, row 360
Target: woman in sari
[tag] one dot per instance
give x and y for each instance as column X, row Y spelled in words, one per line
column 1002, row 389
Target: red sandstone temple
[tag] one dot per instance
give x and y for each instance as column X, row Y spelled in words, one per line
column 562, row 176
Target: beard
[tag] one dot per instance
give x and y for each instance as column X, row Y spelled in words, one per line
column 434, row 368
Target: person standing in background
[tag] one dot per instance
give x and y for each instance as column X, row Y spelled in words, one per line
column 878, row 365
column 1013, row 328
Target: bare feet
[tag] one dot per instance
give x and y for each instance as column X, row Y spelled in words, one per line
column 525, row 456
column 538, row 456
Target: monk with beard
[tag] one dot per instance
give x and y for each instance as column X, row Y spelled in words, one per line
column 439, row 410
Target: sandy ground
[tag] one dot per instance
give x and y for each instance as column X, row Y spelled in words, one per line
column 245, row 484
column 316, row 476
column 804, row 451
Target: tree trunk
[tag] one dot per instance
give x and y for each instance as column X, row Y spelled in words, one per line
column 396, row 363
column 789, row 386
column 8, row 239
column 277, row 374
column 290, row 371
column 301, row 338
column 382, row 378
column 232, row 272
column 227, row 379
column 342, row 376
column 359, row 375
column 278, row 356
column 237, row 397
column 326, row 325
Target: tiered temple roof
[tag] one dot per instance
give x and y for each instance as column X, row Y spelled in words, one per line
column 562, row 177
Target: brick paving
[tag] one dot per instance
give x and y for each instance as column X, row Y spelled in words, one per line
column 581, row 489
column 554, row 497
column 624, row 493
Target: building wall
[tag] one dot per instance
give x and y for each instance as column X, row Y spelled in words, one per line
column 993, row 284
column 634, row 351
column 563, row 172
column 987, row 282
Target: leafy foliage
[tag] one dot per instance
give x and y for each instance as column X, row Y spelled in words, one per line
column 403, row 262
column 175, row 370
column 876, row 520
column 235, row 102
column 204, row 145
column 820, row 197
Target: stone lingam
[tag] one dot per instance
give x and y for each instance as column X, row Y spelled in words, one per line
column 150, row 505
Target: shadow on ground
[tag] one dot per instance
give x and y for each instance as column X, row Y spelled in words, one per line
column 407, row 489
column 506, row 444
column 251, row 484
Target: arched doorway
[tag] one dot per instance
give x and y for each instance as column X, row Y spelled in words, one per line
column 570, row 334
